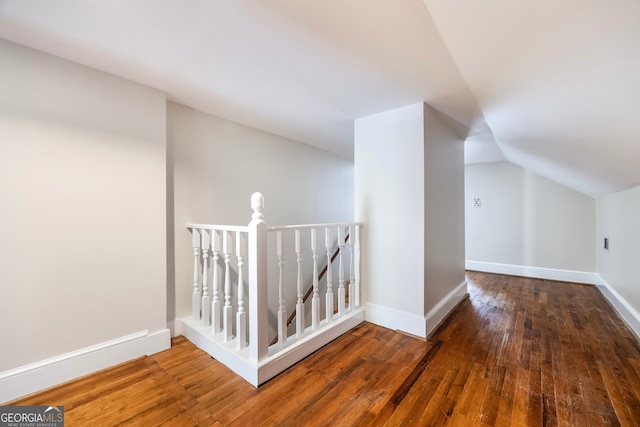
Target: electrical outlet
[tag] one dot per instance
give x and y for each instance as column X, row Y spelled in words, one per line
column 477, row 202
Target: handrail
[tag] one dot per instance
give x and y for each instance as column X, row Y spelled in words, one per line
column 320, row 276
column 308, row 226
column 241, row 228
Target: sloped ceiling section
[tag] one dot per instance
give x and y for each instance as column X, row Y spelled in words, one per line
column 551, row 86
column 558, row 83
column 301, row 69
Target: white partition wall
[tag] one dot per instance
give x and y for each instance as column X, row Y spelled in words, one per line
column 409, row 196
column 444, row 242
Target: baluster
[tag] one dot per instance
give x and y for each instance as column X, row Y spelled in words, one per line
column 352, row 270
column 216, row 307
column 282, row 308
column 227, row 311
column 315, row 300
column 300, row 304
column 329, row 303
column 341, row 290
column 241, row 316
column 206, row 301
column 195, row 306
column 357, row 265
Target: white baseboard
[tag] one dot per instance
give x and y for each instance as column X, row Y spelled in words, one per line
column 443, row 308
column 395, row 319
column 158, row 341
column 176, row 327
column 535, row 272
column 28, row 379
column 278, row 359
column 626, row 311
column 622, row 306
column 411, row 323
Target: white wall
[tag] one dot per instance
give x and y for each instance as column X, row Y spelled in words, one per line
column 618, row 218
column 409, row 195
column 218, row 165
column 444, row 242
column 527, row 220
column 82, row 223
column 390, row 200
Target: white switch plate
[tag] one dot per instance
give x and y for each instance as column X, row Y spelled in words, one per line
column 477, row 202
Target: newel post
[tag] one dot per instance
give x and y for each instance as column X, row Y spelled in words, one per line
column 258, row 303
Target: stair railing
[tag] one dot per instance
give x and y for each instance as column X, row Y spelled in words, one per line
column 222, row 253
column 310, row 289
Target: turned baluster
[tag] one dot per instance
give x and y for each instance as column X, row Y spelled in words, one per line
column 329, row 246
column 300, row 303
column 282, row 309
column 195, row 306
column 341, row 290
column 227, row 310
column 206, row 300
column 216, row 306
column 241, row 316
column 315, row 300
column 358, row 292
column 352, row 270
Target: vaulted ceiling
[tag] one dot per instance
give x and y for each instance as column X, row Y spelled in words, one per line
column 553, row 86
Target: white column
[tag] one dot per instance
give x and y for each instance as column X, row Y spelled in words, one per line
column 352, row 268
column 227, row 313
column 195, row 303
column 282, row 309
column 341, row 291
column 315, row 300
column 241, row 316
column 216, row 305
column 329, row 245
column 206, row 299
column 358, row 266
column 300, row 304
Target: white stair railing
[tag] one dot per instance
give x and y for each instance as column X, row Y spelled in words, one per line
column 240, row 248
column 329, row 296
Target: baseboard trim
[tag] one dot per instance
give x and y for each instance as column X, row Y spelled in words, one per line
column 158, row 341
column 444, row 307
column 34, row 377
column 534, row 272
column 412, row 324
column 621, row 305
column 398, row 320
column 278, row 360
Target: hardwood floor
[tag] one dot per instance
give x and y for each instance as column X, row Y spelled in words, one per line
column 519, row 352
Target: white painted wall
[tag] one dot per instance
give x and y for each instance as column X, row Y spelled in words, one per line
column 444, row 242
column 618, row 218
column 409, row 195
column 527, row 220
column 218, row 165
column 389, row 192
column 82, row 218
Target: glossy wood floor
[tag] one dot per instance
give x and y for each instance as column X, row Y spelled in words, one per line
column 518, row 352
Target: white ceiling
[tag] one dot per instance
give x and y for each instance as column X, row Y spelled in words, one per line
column 552, row 86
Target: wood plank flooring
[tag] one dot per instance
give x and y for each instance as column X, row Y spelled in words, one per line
column 518, row 352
